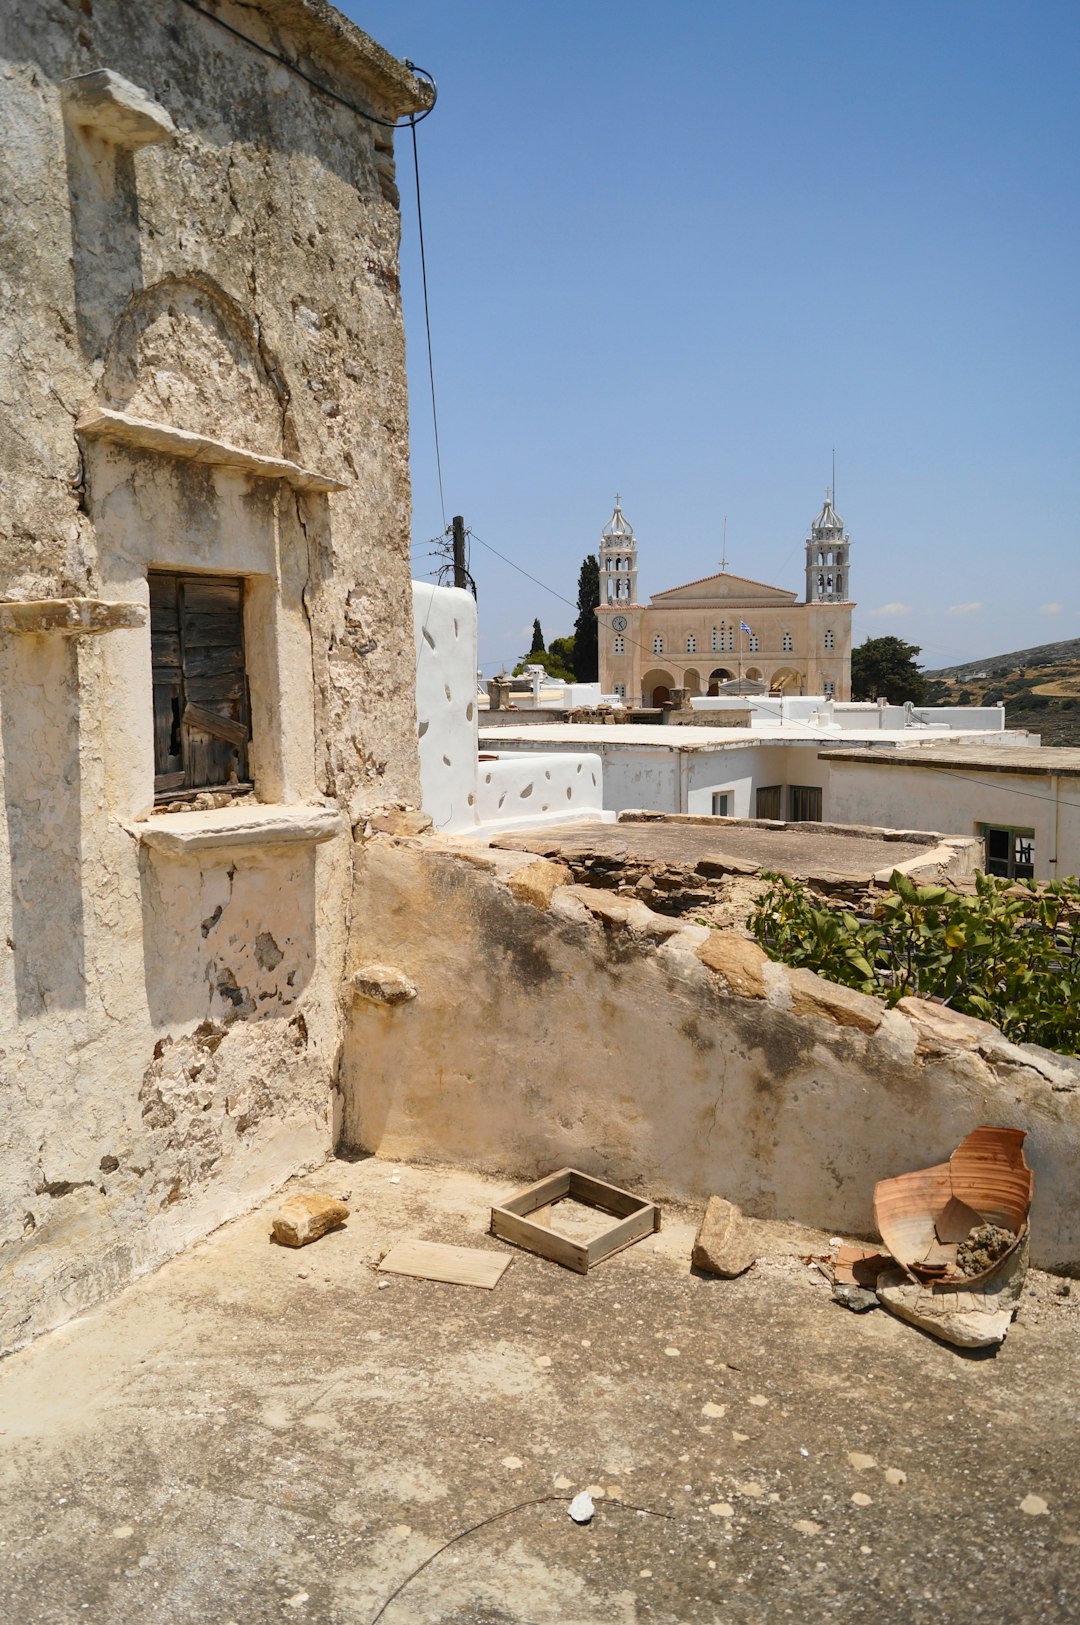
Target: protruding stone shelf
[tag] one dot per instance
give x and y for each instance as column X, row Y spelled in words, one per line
column 140, row 434
column 115, row 109
column 70, row 617
column 192, row 833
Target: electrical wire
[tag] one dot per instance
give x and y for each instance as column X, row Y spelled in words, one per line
column 315, row 84
column 427, row 317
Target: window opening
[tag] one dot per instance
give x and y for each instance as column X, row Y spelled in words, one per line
column 721, row 801
column 788, row 643
column 691, row 644
column 620, row 643
column 768, row 801
column 657, row 646
column 1009, row 852
column 804, row 804
column 828, row 640
column 202, row 710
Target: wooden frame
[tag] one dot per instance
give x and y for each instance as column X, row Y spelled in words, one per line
column 510, row 1220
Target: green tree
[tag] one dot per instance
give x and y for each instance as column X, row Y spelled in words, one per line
column 552, row 664
column 586, row 642
column 538, row 646
column 887, row 666
column 563, row 649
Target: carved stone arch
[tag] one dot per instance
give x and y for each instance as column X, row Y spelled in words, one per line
column 786, row 681
column 183, row 352
column 656, row 687
column 692, row 680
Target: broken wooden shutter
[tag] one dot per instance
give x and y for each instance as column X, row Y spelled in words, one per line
column 201, row 710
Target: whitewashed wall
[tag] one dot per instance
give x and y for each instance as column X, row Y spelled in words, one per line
column 959, row 801
column 444, row 624
column 533, row 786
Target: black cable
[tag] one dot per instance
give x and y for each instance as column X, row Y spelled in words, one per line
column 427, row 319
column 342, row 101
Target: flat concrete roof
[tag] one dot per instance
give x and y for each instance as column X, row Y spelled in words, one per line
column 591, row 736
column 263, row 1435
column 794, row 850
column 1034, row 760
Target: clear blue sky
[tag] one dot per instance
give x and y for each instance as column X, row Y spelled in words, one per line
column 682, row 252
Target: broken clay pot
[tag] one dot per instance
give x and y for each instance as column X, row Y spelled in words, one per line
column 923, row 1217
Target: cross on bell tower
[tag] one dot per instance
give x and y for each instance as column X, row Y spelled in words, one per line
column 827, row 580
column 618, row 561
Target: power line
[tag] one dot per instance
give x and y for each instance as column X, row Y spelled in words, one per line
column 413, row 121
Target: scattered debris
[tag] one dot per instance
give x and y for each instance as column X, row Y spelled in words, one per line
column 1034, row 1506
column 512, row 1220
column 860, row 1266
column 438, row 1261
column 581, row 1508
column 306, row 1217
column 723, row 1246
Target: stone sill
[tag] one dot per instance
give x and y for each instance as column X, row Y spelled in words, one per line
column 70, row 617
column 139, row 434
column 191, row 833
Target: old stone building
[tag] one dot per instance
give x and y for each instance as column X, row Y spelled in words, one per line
column 726, row 628
column 205, row 631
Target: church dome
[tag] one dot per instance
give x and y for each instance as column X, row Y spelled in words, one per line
column 828, row 519
column 618, row 527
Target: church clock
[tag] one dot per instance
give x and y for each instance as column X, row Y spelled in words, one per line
column 618, row 623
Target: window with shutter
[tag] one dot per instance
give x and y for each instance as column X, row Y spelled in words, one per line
column 202, row 713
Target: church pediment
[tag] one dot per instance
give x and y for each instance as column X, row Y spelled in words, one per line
column 723, row 589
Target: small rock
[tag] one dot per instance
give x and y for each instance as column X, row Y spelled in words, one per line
column 861, row 1463
column 562, row 1482
column 512, row 1463
column 856, row 1298
column 895, row 1475
column 758, row 1399
column 1034, row 1506
column 306, row 1217
column 722, row 1509
column 807, row 1526
column 861, row 1500
column 712, row 1409
column 581, row 1508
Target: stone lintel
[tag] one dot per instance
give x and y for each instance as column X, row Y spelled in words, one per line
column 140, row 434
column 70, row 617
column 190, row 834
column 116, row 110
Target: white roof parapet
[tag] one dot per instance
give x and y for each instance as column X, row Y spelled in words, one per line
column 140, row 434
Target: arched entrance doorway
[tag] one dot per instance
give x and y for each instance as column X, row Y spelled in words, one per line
column 786, row 681
column 656, row 687
column 720, row 675
column 692, row 681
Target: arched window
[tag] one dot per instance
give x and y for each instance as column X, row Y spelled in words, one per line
column 839, row 586
column 828, row 640
column 691, row 644
column 658, row 645
column 754, row 643
column 821, row 586
column 620, row 644
column 713, row 645
column 789, row 643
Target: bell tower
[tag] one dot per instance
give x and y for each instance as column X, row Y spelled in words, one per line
column 618, row 561
column 827, row 558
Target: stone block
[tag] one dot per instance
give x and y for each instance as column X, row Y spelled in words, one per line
column 383, row 984
column 395, row 821
column 723, row 1246
column 536, row 883
column 738, row 960
column 304, row 1218
column 811, row 995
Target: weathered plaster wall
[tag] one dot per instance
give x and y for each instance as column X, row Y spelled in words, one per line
column 558, row 1025
column 170, row 1022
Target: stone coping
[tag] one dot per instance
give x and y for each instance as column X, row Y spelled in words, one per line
column 190, row 833
column 140, row 434
column 70, row 617
column 1034, row 760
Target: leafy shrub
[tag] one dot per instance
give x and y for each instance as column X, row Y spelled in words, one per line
column 1010, row 954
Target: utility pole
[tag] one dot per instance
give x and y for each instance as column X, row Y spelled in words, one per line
column 461, row 577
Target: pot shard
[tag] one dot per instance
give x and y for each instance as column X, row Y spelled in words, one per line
column 924, row 1216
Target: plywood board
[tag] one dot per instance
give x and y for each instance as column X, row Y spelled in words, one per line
column 438, row 1261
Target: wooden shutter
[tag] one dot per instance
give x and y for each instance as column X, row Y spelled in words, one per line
column 202, row 716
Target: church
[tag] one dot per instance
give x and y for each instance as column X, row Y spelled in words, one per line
column 725, row 633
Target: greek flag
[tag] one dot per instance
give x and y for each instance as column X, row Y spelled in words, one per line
column 744, row 628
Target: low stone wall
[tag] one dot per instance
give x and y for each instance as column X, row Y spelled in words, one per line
column 548, row 1023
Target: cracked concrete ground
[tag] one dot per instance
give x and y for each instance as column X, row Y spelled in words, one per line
column 256, row 1434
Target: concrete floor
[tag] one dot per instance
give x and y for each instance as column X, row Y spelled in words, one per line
column 254, row 1434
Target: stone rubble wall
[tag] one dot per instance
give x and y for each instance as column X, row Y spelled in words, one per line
column 170, row 1025
column 557, row 1024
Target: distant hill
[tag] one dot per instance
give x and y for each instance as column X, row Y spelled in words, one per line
column 1044, row 654
column 1039, row 688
